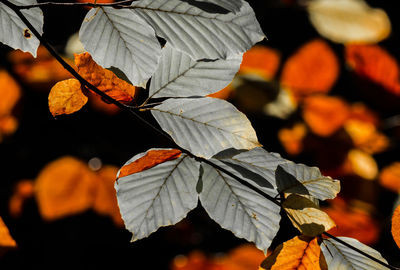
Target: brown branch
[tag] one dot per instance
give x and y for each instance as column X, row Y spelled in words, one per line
column 119, row 4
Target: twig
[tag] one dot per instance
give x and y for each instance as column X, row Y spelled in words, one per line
column 17, row 9
column 119, row 4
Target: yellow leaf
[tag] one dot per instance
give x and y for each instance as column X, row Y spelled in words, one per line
column 306, row 216
column 104, row 79
column 362, row 164
column 300, row 252
column 345, row 21
column 151, row 159
column 5, row 238
column 66, row 97
column 396, row 226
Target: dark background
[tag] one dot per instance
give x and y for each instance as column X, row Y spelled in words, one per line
column 89, row 241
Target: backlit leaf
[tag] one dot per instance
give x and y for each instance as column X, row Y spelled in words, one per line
column 128, row 43
column 362, row 164
column 64, row 187
column 376, row 64
column 306, row 216
column 238, row 208
column 314, row 68
column 205, row 126
column 14, row 32
column 66, row 97
column 396, row 226
column 339, row 256
column 10, row 93
column 389, row 177
column 6, row 239
column 346, row 21
column 178, row 75
column 300, row 252
column 158, row 195
column 325, row 114
column 292, row 138
column 104, row 79
column 201, row 34
column 304, row 180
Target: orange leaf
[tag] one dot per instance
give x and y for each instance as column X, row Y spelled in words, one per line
column 223, row 93
column 244, row 257
column 22, row 191
column 105, row 201
column 65, row 187
column 66, row 97
column 292, row 138
column 325, row 115
column 396, row 226
column 149, row 160
column 5, row 238
column 10, row 93
column 260, row 60
column 353, row 222
column 313, row 69
column 376, row 64
column 8, row 124
column 103, row 79
column 390, row 177
column 298, row 253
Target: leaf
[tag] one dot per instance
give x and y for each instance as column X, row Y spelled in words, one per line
column 260, row 166
column 300, row 252
column 14, row 32
column 127, row 42
column 260, row 61
column 178, row 75
column 301, row 179
column 396, row 226
column 10, row 93
column 66, row 97
column 200, row 34
column 376, row 64
column 238, row 208
column 149, row 160
column 6, row 239
column 325, row 115
column 64, row 187
column 361, row 164
column 104, row 79
column 314, row 68
column 157, row 196
column 389, row 177
column 292, row 138
column 347, row 21
column 205, row 126
column 339, row 256
column 306, row 216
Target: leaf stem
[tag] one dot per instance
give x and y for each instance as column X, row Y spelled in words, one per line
column 17, row 9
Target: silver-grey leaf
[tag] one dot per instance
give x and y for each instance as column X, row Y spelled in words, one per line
column 205, row 126
column 159, row 196
column 178, row 75
column 119, row 38
column 341, row 257
column 238, row 208
column 201, row 34
column 14, row 32
column 305, row 180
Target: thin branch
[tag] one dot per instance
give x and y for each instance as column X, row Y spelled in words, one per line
column 119, row 4
column 17, row 9
column 361, row 252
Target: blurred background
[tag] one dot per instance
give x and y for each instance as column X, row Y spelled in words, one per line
column 323, row 90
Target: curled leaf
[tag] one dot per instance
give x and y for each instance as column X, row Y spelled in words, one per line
column 396, row 226
column 105, row 80
column 66, row 97
column 300, row 252
column 345, row 21
column 324, row 114
column 314, row 68
column 150, row 159
column 306, row 216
